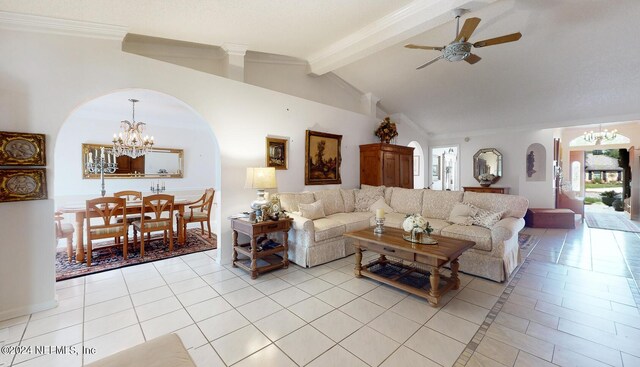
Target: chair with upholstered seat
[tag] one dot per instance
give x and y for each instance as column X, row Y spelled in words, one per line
column 199, row 211
column 155, row 205
column 131, row 195
column 106, row 209
column 64, row 230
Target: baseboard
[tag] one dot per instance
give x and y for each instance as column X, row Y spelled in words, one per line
column 26, row 310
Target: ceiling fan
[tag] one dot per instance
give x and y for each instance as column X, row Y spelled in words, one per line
column 460, row 48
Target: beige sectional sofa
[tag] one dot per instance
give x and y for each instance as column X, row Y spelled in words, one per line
column 317, row 241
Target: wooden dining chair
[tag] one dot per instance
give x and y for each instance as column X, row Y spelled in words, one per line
column 131, row 195
column 107, row 209
column 199, row 211
column 155, row 205
column 64, row 230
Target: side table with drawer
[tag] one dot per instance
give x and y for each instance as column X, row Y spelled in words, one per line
column 250, row 250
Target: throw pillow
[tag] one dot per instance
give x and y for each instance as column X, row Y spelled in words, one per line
column 349, row 197
column 381, row 204
column 486, row 218
column 463, row 214
column 367, row 196
column 312, row 211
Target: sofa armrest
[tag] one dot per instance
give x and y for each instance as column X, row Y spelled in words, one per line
column 506, row 228
column 301, row 223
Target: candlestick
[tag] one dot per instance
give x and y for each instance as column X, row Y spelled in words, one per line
column 379, row 226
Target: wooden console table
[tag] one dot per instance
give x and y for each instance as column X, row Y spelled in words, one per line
column 250, row 250
column 493, row 190
column 418, row 257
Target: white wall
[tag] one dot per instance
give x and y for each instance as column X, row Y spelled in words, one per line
column 513, row 147
column 39, row 96
column 91, row 123
column 419, row 181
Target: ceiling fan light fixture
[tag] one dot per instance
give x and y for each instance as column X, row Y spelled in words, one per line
column 457, row 51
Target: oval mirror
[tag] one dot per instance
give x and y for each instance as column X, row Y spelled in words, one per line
column 487, row 162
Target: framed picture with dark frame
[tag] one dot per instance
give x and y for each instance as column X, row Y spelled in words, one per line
column 322, row 158
column 22, row 149
column 23, row 184
column 277, row 153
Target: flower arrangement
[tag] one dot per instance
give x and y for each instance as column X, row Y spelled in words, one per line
column 416, row 223
column 387, row 130
column 487, row 177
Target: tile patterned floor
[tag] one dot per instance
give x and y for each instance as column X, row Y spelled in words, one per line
column 573, row 303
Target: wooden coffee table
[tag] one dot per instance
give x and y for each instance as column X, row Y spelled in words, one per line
column 409, row 264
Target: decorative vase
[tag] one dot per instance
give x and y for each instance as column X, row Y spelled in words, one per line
column 485, row 183
column 416, row 236
column 385, row 140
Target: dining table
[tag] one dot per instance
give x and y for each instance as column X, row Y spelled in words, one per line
column 133, row 207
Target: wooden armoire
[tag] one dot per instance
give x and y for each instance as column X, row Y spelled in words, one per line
column 386, row 164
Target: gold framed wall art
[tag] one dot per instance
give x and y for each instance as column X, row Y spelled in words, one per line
column 277, row 153
column 23, row 184
column 22, row 149
column 322, row 158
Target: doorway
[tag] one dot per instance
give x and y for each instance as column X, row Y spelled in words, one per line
column 419, row 176
column 444, row 170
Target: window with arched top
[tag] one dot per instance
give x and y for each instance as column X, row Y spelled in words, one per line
column 581, row 142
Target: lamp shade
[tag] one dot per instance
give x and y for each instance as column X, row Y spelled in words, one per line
column 261, row 178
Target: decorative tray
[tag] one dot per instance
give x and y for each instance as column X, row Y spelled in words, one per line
column 423, row 240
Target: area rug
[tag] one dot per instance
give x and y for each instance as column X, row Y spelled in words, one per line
column 611, row 221
column 107, row 258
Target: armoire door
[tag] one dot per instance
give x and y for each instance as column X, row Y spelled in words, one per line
column 406, row 171
column 390, row 169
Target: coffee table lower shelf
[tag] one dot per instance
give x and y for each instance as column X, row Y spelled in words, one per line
column 430, row 285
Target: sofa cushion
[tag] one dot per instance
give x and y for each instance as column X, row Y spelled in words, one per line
column 514, row 205
column 367, row 196
column 438, row 204
column 438, row 225
column 408, row 201
column 312, row 211
column 326, row 228
column 480, row 235
column 349, row 198
column 393, row 220
column 462, row 214
column 331, row 201
column 353, row 221
column 289, row 200
column 381, row 204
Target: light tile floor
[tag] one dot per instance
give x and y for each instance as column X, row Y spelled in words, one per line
column 573, row 303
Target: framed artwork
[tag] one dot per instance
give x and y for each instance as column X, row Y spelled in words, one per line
column 22, row 149
column 277, row 153
column 416, row 165
column 322, row 158
column 23, row 184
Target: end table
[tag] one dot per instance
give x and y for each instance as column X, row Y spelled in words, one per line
column 255, row 230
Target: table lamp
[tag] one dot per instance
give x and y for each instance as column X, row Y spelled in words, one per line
column 260, row 178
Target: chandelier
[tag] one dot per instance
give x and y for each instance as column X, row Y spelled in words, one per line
column 599, row 136
column 130, row 141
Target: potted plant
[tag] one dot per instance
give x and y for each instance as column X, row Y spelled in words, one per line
column 486, row 179
column 618, row 205
column 608, row 197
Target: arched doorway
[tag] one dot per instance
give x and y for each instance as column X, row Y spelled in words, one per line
column 419, row 176
column 174, row 126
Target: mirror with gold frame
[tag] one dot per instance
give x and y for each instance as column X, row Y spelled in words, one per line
column 157, row 163
column 487, row 161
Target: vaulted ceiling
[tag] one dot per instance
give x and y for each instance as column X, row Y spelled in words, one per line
column 576, row 63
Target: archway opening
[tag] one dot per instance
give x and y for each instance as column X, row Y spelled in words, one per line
column 173, row 124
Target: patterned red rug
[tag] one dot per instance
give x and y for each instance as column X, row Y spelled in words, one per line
column 107, row 258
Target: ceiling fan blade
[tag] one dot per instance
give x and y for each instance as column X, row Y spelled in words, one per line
column 472, row 59
column 469, row 26
column 429, row 63
column 498, row 40
column 424, row 47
